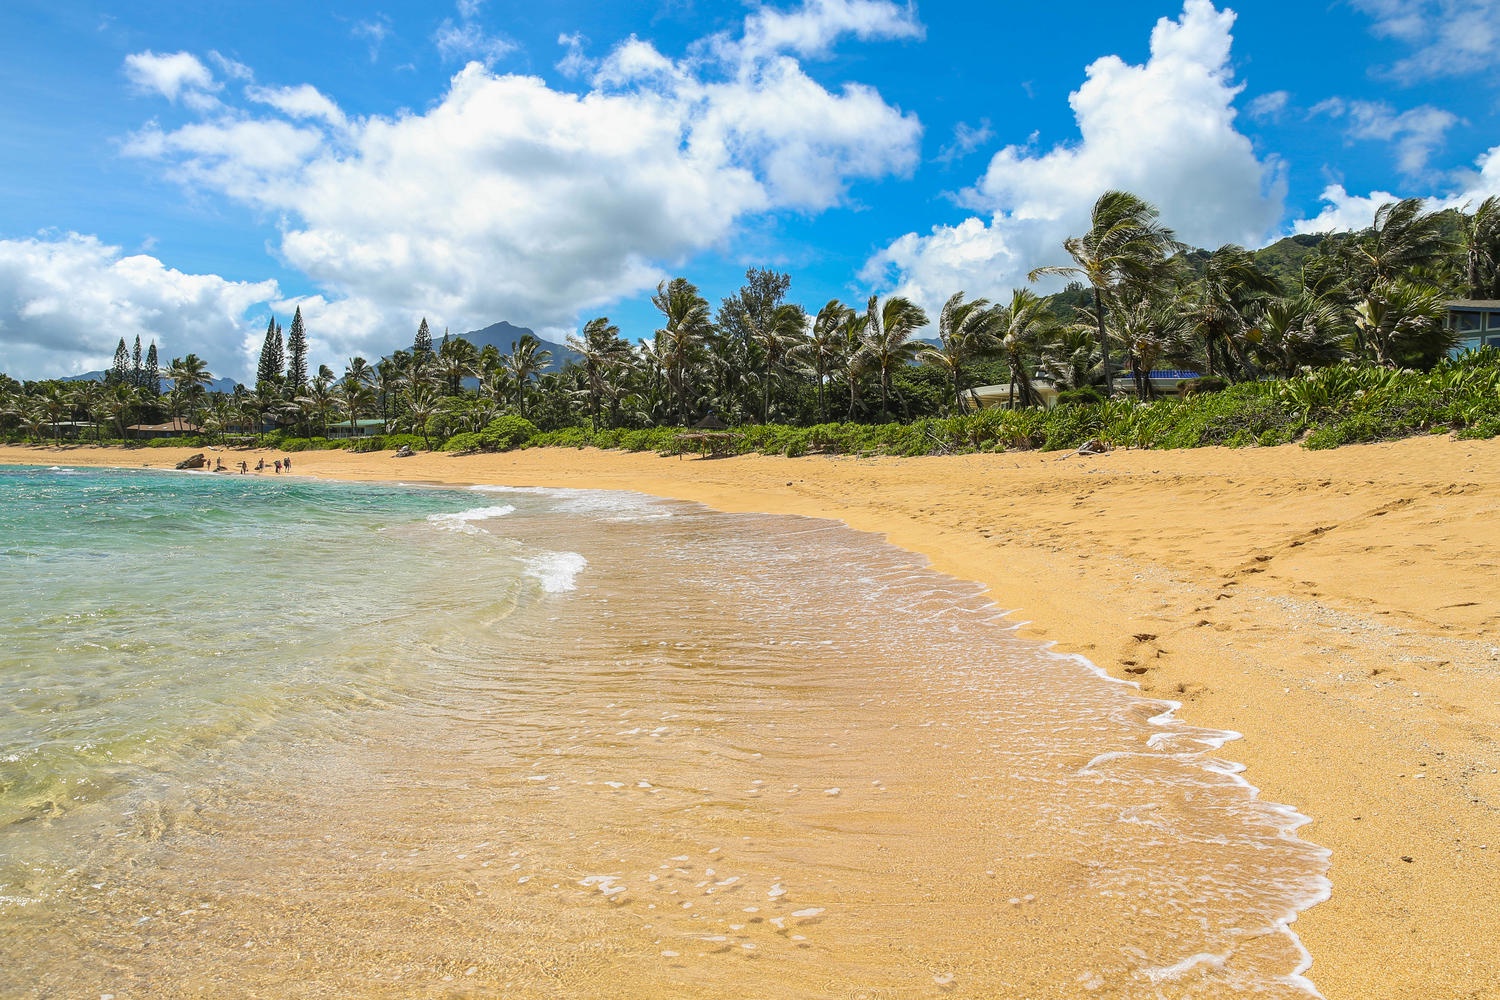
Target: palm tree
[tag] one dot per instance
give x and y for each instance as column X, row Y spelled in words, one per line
column 457, row 360
column 886, row 342
column 1070, row 357
column 316, row 404
column 821, row 352
column 679, row 342
column 189, row 375
column 1019, row 328
column 55, row 404
column 1125, row 243
column 86, row 398
column 525, row 361
column 119, row 404
column 777, row 335
column 603, row 350
column 1401, row 323
column 1402, row 238
column 1480, row 239
column 1220, row 303
column 1151, row 326
column 1296, row 330
column 964, row 330
column 421, row 405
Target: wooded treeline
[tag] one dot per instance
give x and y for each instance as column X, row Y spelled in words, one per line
column 1138, row 301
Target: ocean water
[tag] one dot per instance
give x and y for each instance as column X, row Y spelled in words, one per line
column 278, row 737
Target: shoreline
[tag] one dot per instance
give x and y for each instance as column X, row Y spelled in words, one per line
column 1334, row 608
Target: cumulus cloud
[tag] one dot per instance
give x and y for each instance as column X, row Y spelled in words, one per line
column 1164, row 130
column 1447, row 37
column 509, row 198
column 1343, row 212
column 66, row 300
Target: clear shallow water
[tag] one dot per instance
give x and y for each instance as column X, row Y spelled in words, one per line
column 310, row 739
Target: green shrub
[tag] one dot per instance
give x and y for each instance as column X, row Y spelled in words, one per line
column 466, row 442
column 395, row 442
column 507, row 432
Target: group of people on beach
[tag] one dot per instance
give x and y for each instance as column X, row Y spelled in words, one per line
column 281, row 465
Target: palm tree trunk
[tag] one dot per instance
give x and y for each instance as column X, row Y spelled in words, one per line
column 1109, row 375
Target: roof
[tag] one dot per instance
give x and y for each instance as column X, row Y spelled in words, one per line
column 184, row 427
column 1473, row 303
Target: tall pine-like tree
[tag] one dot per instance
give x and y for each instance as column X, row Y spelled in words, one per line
column 422, row 346
column 137, row 365
column 119, row 372
column 151, row 371
column 296, row 356
column 272, row 359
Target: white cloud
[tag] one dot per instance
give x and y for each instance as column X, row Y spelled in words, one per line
column 304, row 101
column 510, row 199
column 1343, row 212
column 179, row 75
column 374, row 32
column 1449, row 37
column 467, row 40
column 1164, row 130
column 1269, row 107
column 966, row 139
column 1413, row 135
column 66, row 300
column 813, row 28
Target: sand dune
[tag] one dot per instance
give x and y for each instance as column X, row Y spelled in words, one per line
column 1339, row 609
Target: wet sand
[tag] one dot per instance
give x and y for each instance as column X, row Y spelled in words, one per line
column 1337, row 608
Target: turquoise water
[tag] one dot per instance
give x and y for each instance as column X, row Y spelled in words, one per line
column 149, row 615
column 277, row 737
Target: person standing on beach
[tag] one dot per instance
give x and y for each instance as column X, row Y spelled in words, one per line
column 286, row 464
column 278, row 466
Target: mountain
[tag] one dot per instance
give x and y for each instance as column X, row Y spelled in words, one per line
column 503, row 336
column 217, row 385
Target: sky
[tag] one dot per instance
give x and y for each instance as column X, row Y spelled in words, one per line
column 184, row 174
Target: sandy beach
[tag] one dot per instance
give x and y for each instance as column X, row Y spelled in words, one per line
column 1336, row 608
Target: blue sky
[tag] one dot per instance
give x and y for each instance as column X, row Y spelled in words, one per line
column 184, row 175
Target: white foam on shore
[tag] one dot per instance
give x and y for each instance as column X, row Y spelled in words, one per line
column 464, row 520
column 608, row 505
column 1286, row 819
column 557, row 571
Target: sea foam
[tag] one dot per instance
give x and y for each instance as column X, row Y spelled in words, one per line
column 464, row 520
column 557, row 571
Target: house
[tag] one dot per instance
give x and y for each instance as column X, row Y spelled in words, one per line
column 361, row 428
column 1475, row 323
column 153, row 431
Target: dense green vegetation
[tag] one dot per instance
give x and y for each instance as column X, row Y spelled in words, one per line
column 1326, row 339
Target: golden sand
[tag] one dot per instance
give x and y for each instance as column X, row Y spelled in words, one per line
column 1337, row 608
